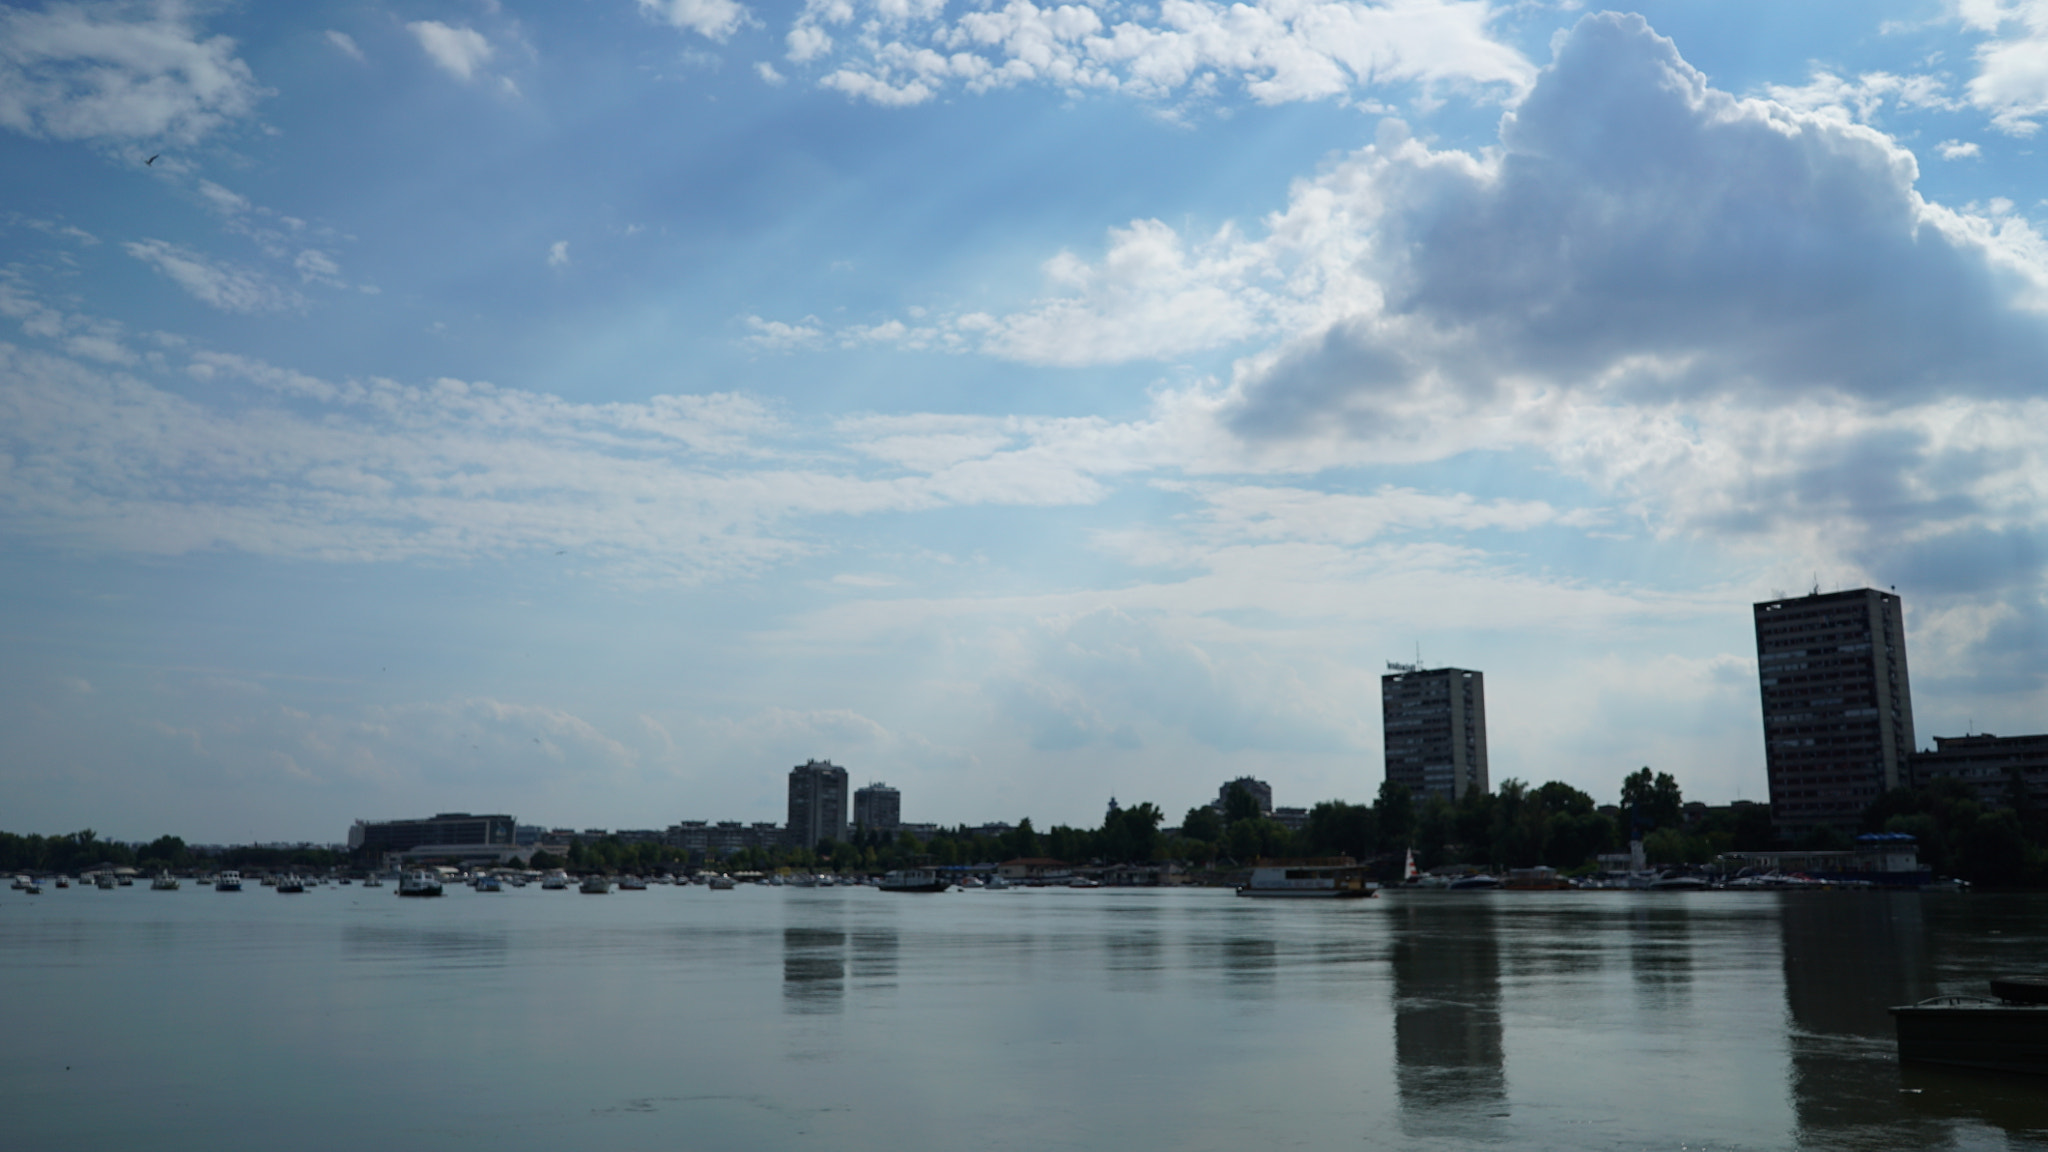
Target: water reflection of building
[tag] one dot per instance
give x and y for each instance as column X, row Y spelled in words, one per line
column 813, row 970
column 1449, row 1062
column 1847, row 961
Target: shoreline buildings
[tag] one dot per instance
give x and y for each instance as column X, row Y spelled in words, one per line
column 449, row 835
column 1433, row 722
column 877, row 808
column 1837, row 705
column 817, row 803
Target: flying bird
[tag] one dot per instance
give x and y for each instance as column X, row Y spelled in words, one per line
column 151, row 160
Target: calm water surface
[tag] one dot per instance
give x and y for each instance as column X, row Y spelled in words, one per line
column 1051, row 1019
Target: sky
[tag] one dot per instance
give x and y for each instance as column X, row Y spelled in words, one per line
column 590, row 411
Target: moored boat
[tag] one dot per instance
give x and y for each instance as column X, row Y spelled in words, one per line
column 164, row 882
column 488, row 883
column 1326, row 879
column 2006, row 1034
column 595, row 886
column 555, row 882
column 228, row 882
column 721, row 883
column 290, row 885
column 420, row 883
column 913, row 880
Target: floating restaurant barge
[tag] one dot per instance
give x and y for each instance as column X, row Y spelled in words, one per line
column 1338, row 878
column 2008, row 1034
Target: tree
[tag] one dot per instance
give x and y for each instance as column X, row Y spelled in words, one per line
column 1394, row 815
column 1651, row 802
column 1240, row 804
column 1202, row 823
column 1339, row 829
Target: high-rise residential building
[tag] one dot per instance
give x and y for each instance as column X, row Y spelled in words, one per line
column 1838, row 708
column 1433, row 721
column 1258, row 790
column 817, row 803
column 877, row 808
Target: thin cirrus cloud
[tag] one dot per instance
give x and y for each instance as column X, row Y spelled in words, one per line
column 460, row 51
column 219, row 284
column 72, row 72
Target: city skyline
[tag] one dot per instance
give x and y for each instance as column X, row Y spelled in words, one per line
column 600, row 409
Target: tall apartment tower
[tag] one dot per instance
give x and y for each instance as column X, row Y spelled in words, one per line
column 817, row 803
column 1838, row 709
column 877, row 808
column 1434, row 726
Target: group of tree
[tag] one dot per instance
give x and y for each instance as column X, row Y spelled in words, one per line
column 83, row 851
column 1514, row 826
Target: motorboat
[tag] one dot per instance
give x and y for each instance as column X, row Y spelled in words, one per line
column 913, row 880
column 1678, row 882
column 1307, row 880
column 371, row 881
column 555, row 882
column 228, row 882
column 632, row 884
column 594, row 886
column 488, row 883
column 290, row 886
column 2007, row 1032
column 102, row 880
column 63, row 882
column 998, row 884
column 1084, row 882
column 1477, row 882
column 164, row 882
column 721, row 883
column 420, row 883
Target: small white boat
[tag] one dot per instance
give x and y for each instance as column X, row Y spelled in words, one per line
column 913, row 880
column 595, row 886
column 998, row 884
column 290, row 886
column 164, row 882
column 488, row 883
column 419, row 884
column 721, row 883
column 555, row 882
column 228, row 882
column 101, row 880
column 1084, row 882
column 632, row 884
column 371, row 881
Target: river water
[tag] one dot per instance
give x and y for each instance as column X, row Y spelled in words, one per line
column 852, row 1019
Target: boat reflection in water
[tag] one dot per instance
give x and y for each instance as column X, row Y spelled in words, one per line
column 1450, row 1064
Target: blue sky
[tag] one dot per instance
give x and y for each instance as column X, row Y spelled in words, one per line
column 589, row 411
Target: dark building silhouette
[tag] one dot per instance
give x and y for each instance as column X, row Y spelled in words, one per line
column 1434, row 727
column 817, row 803
column 1837, row 705
column 877, row 808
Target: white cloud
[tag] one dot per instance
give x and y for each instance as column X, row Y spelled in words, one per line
column 344, row 43
column 558, row 254
column 897, row 52
column 712, row 19
column 1958, row 149
column 228, row 287
column 459, row 50
column 768, row 74
column 2012, row 64
column 130, row 71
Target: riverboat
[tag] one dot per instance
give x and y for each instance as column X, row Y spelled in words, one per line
column 913, row 880
column 595, row 886
column 228, row 882
column 2006, row 1034
column 290, row 886
column 1308, row 881
column 164, row 882
column 420, row 883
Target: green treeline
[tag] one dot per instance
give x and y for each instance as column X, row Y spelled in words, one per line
column 84, row 850
column 1516, row 826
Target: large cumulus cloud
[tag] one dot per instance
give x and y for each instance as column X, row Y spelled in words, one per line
column 1642, row 233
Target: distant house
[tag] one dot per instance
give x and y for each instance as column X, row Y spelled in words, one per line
column 1033, row 868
